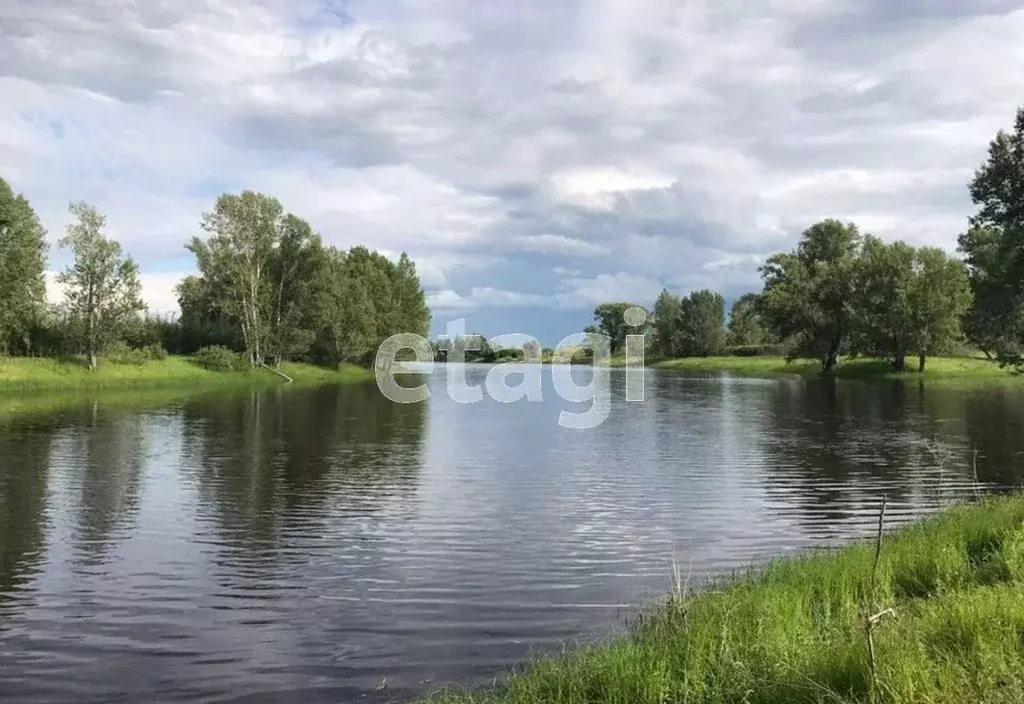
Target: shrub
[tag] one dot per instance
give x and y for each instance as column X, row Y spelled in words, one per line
column 121, row 353
column 770, row 350
column 217, row 358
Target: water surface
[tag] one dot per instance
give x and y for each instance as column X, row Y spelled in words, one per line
column 329, row 545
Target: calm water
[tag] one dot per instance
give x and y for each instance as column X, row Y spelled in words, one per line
column 328, row 545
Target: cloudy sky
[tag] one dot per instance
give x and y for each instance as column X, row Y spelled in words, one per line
column 534, row 157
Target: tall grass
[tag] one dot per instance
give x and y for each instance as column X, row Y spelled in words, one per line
column 795, row 632
column 20, row 375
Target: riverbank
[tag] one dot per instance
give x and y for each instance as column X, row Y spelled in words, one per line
column 21, row 375
column 950, row 590
column 937, row 369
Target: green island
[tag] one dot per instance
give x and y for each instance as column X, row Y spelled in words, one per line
column 942, row 607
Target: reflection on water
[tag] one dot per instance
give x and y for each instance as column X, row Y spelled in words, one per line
column 330, row 545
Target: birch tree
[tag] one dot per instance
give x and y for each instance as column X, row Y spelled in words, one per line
column 235, row 260
column 102, row 286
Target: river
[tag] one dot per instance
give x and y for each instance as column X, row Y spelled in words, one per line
column 329, row 545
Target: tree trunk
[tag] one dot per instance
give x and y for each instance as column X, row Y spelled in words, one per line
column 920, row 362
column 92, row 360
column 899, row 363
column 829, row 363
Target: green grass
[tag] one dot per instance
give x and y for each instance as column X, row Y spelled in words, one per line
column 20, row 375
column 795, row 632
column 938, row 369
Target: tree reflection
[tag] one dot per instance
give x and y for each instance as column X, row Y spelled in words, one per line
column 268, row 461
column 836, row 447
column 994, row 426
column 24, row 477
column 111, row 444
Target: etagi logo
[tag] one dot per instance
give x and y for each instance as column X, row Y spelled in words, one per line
column 529, row 388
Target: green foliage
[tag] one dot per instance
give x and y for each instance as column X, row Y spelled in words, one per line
column 794, row 632
column 22, row 270
column 746, row 327
column 267, row 285
column 610, row 319
column 994, row 248
column 102, row 286
column 702, row 333
column 236, row 259
column 998, row 185
column 883, row 303
column 808, row 292
column 220, row 359
column 470, row 348
column 120, row 352
column 990, row 322
column 668, row 322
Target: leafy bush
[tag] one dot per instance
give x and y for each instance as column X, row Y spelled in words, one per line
column 218, row 358
column 122, row 353
column 776, row 350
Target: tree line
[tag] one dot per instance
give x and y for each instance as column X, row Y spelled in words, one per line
column 267, row 289
column 844, row 292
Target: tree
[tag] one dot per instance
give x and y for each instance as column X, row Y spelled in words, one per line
column 908, row 301
column 883, row 310
column 22, row 269
column 202, row 323
column 668, row 322
column 702, row 332
column 610, row 319
column 998, row 184
column 361, row 298
column 102, row 287
column 994, row 247
column 808, row 292
column 292, row 270
column 940, row 294
column 532, row 351
column 244, row 232
column 746, row 328
column 344, row 313
column 987, row 323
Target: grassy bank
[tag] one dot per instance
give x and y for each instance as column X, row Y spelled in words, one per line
column 796, row 631
column 18, row 375
column 941, row 369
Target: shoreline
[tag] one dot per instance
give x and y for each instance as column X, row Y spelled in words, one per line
column 944, row 370
column 33, row 376
column 949, row 589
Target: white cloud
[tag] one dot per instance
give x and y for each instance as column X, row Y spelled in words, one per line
column 485, row 296
column 560, row 244
column 603, row 288
column 684, row 141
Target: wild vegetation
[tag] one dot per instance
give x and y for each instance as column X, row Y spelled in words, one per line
column 842, row 293
column 267, row 292
column 930, row 613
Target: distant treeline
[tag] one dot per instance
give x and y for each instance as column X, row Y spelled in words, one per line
column 267, row 290
column 844, row 292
